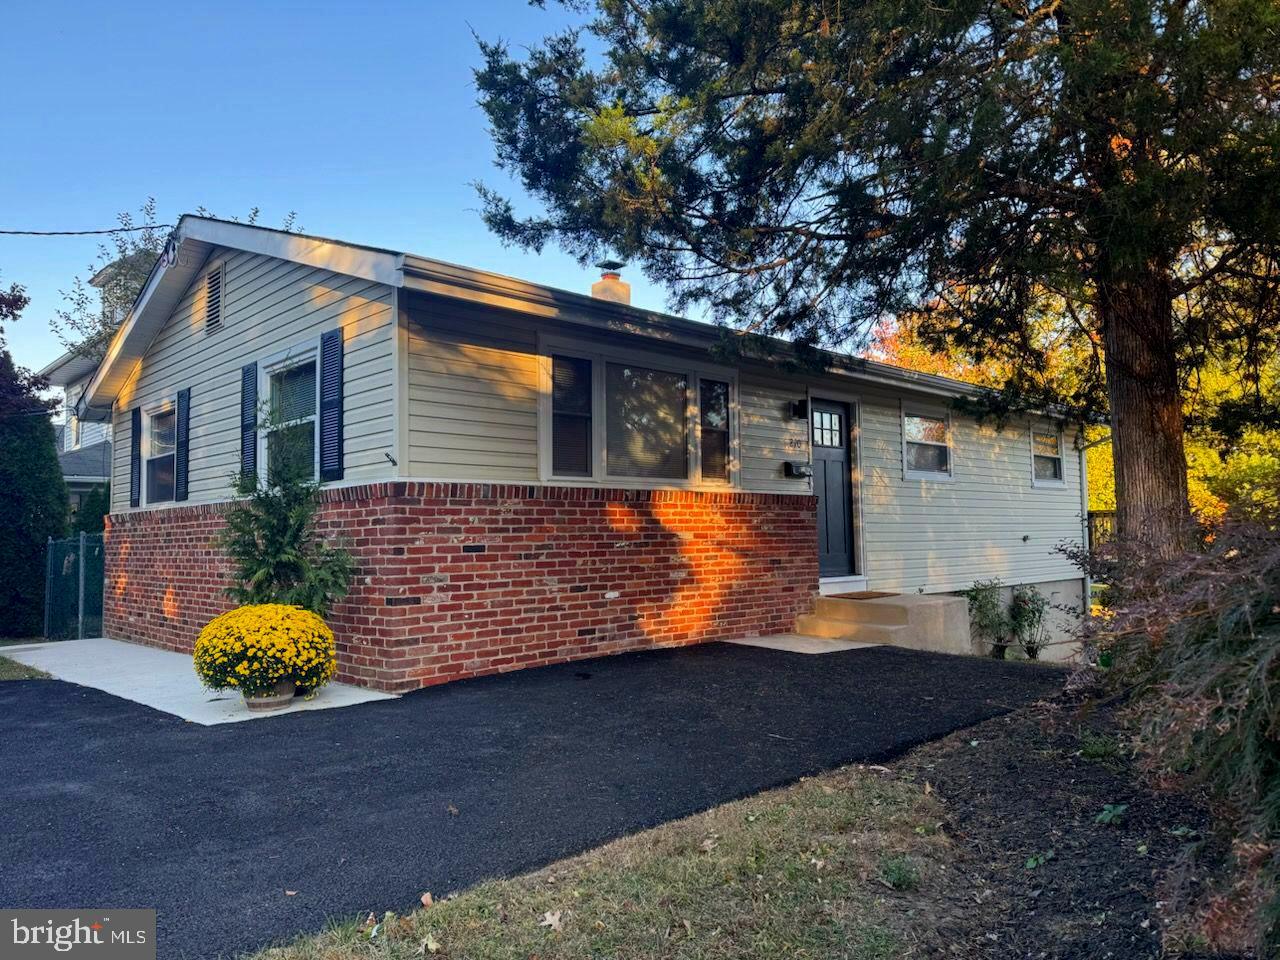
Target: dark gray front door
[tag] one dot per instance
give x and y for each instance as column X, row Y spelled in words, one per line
column 832, row 469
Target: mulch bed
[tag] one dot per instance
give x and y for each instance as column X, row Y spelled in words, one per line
column 1037, row 875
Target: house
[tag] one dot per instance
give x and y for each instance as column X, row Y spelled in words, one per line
column 84, row 447
column 527, row 475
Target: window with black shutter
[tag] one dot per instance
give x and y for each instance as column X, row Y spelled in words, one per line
column 135, row 457
column 292, row 420
column 248, row 423
column 330, row 425
column 161, row 442
column 182, row 444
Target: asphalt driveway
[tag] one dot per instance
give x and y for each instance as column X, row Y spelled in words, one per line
column 105, row 803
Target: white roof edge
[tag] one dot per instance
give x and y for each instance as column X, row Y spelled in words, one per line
column 127, row 346
column 354, row 260
column 442, row 278
column 439, row 277
column 68, row 368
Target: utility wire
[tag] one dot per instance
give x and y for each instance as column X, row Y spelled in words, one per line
column 83, row 233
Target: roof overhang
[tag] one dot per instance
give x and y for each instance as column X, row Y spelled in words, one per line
column 479, row 287
column 195, row 238
column 69, row 368
column 189, row 246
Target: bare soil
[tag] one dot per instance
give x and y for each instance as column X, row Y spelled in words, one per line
column 1041, row 870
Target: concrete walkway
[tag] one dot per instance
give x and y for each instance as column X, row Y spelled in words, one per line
column 163, row 680
column 244, row 833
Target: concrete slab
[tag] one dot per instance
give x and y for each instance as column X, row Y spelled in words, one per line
column 799, row 643
column 163, row 680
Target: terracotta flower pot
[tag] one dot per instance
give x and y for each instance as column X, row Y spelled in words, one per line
column 278, row 699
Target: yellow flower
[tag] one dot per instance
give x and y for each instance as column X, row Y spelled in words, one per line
column 253, row 647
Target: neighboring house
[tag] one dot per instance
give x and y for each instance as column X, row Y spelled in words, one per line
column 84, row 447
column 527, row 475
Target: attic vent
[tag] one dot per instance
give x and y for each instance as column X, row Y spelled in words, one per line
column 213, row 300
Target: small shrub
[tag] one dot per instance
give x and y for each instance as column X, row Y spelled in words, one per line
column 1196, row 639
column 94, row 507
column 253, row 648
column 899, row 873
column 987, row 616
column 1038, row 860
column 1026, row 620
column 271, row 539
column 1112, row 814
column 1098, row 746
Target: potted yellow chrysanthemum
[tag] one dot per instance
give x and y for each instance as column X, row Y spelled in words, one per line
column 267, row 651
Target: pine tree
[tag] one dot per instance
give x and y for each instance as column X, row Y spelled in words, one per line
column 34, row 505
column 808, row 168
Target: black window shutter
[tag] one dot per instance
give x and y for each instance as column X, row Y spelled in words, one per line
column 135, row 456
column 182, row 444
column 331, row 405
column 249, row 421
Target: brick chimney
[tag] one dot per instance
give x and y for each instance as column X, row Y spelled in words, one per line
column 611, row 286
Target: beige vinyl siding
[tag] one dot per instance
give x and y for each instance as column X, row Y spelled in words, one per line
column 268, row 306
column 939, row 535
column 473, row 395
column 473, row 415
column 473, row 401
column 769, row 436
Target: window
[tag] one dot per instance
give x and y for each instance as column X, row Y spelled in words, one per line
column 828, row 428
column 1046, row 456
column 634, row 419
column 291, row 428
column 161, row 454
column 926, row 446
column 571, row 417
column 213, row 300
column 73, row 433
column 646, row 422
column 713, row 412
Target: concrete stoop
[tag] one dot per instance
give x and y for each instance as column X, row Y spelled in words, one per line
column 917, row 621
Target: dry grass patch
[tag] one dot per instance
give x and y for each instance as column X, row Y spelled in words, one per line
column 796, row 872
column 13, row 670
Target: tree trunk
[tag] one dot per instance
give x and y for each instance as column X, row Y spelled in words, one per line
column 1146, row 410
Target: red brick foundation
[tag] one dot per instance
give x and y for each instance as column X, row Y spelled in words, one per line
column 458, row 580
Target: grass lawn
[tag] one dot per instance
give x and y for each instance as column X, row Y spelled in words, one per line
column 12, row 670
column 987, row 843
column 819, row 869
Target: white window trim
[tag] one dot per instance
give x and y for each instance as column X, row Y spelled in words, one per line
column 933, row 413
column 294, row 356
column 163, row 405
column 1032, row 430
column 599, row 355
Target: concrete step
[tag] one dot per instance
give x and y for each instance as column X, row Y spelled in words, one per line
column 814, row 625
column 881, row 610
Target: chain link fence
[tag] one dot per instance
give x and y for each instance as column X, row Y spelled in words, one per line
column 73, row 588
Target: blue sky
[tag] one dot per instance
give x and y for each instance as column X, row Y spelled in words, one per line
column 361, row 116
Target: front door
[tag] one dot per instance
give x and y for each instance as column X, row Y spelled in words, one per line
column 832, row 472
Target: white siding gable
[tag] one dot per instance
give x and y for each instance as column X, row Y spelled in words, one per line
column 268, row 305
